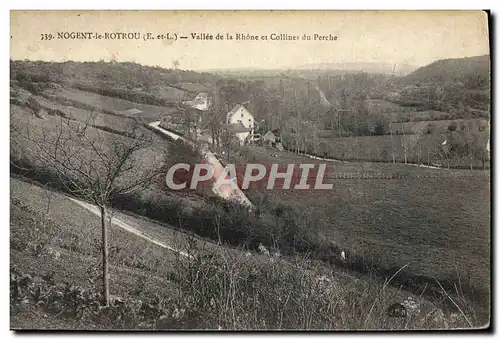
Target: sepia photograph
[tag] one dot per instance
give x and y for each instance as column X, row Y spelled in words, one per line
column 250, row 170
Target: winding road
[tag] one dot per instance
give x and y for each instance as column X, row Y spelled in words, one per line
column 225, row 191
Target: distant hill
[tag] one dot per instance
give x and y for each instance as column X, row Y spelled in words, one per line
column 452, row 70
column 312, row 70
column 382, row 68
column 110, row 74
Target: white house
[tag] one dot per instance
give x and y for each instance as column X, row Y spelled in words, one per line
column 201, row 102
column 241, row 121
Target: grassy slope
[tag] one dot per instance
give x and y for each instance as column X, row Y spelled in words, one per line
column 451, row 69
column 420, row 127
column 138, row 268
column 24, row 120
column 113, row 104
column 141, row 270
column 424, row 219
column 359, row 196
column 421, row 148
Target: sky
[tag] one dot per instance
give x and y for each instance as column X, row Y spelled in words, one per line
column 396, row 37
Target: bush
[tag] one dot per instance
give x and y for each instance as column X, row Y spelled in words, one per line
column 381, row 126
column 452, row 127
column 430, row 128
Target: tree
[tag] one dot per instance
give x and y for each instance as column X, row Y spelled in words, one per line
column 452, row 127
column 475, row 148
column 229, row 142
column 215, row 116
column 430, row 128
column 405, row 143
column 381, row 125
column 96, row 166
column 392, row 143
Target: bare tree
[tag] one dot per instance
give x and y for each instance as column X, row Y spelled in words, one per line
column 310, row 132
column 49, row 194
column 315, row 138
column 227, row 143
column 405, row 143
column 392, row 143
column 215, row 117
column 96, row 166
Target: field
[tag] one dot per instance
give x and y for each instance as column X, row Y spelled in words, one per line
column 420, row 217
column 55, row 250
column 193, row 87
column 387, row 107
column 116, row 105
column 420, row 149
column 406, row 230
column 441, row 126
column 32, row 133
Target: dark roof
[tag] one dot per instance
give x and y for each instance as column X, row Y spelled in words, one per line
column 236, row 128
column 236, row 108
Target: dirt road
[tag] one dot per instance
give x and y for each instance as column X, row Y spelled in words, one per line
column 226, row 191
column 95, row 210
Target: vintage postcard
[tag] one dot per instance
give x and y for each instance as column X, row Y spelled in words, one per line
column 250, row 170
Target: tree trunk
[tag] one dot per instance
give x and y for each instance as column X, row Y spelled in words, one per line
column 105, row 278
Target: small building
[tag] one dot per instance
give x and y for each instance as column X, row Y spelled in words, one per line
column 201, row 102
column 240, row 121
column 272, row 138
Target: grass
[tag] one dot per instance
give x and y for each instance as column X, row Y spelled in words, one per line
column 384, row 245
column 415, row 116
column 421, row 149
column 421, row 127
column 387, row 107
column 117, row 105
column 54, row 254
column 420, row 217
column 416, row 224
column 97, row 119
column 65, row 245
column 30, row 128
column 194, row 87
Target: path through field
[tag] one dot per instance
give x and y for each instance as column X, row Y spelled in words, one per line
column 94, row 209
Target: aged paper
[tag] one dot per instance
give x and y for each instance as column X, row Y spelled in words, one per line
column 250, row 170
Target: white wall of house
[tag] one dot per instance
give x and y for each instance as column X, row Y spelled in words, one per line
column 242, row 136
column 201, row 102
column 244, row 116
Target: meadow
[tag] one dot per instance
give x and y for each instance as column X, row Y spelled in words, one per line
column 55, row 252
column 399, row 148
column 114, row 105
column 396, row 214
column 406, row 231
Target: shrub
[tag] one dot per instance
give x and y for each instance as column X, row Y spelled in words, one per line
column 381, row 126
column 430, row 128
